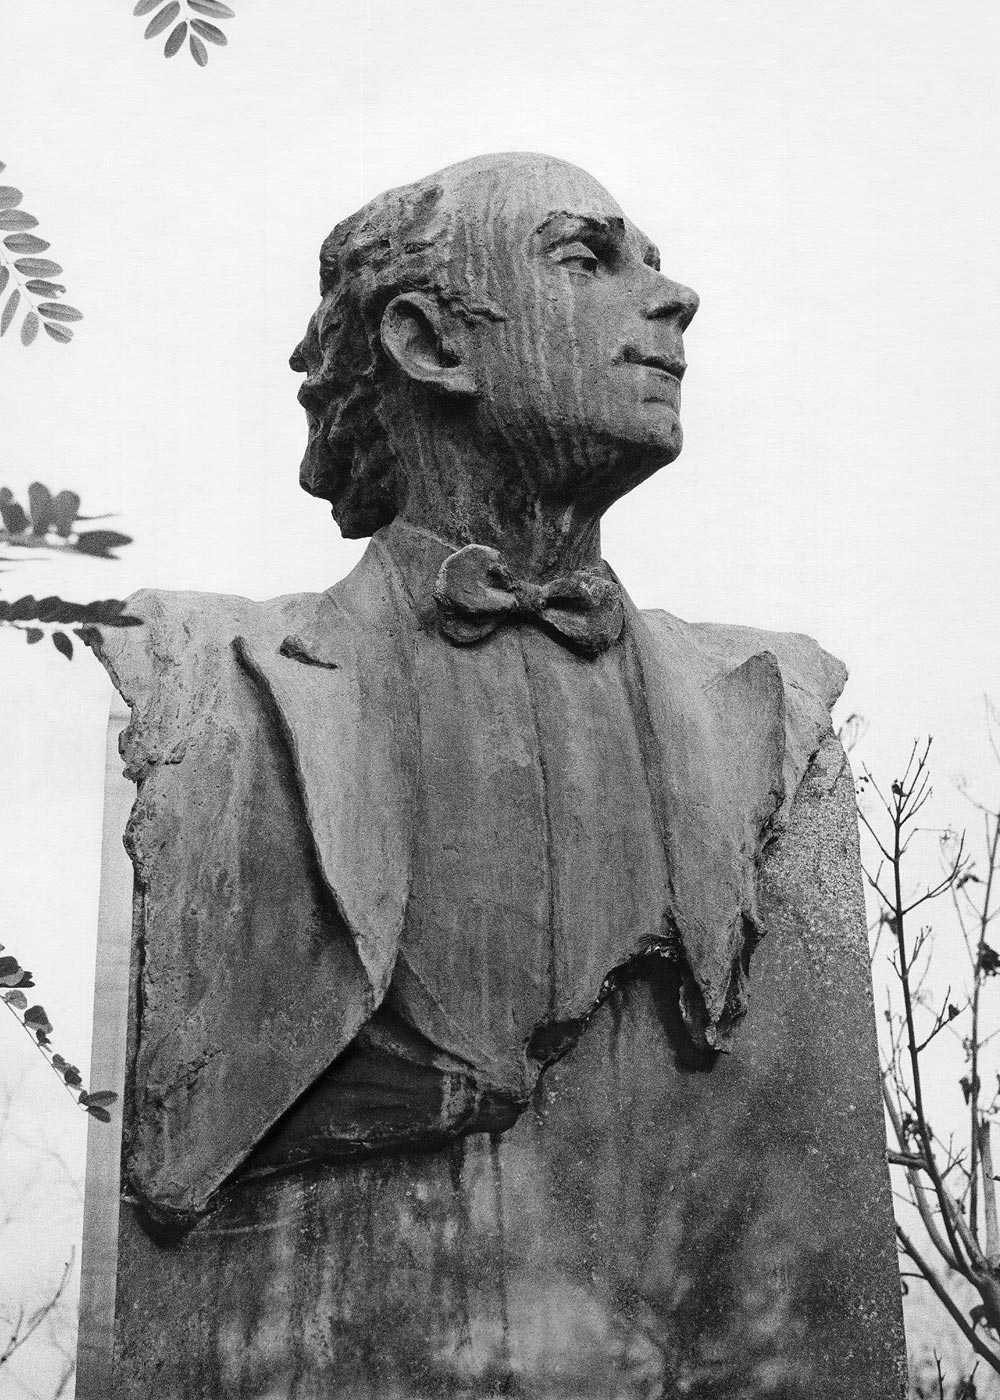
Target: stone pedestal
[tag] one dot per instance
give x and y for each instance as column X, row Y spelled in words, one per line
column 659, row 1225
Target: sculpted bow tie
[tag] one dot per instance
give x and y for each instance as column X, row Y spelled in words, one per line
column 476, row 591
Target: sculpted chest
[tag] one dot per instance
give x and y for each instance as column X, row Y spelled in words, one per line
column 489, row 831
column 538, row 864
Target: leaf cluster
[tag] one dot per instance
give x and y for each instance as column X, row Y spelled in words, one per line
column 189, row 20
column 35, row 1022
column 33, row 292
column 103, row 612
column 49, row 521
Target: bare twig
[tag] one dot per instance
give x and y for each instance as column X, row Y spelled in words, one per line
column 26, row 1326
column 944, row 1297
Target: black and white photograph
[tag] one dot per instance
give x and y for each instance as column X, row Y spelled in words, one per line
column 500, row 805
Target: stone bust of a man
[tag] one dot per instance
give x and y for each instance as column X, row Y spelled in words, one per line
column 396, row 842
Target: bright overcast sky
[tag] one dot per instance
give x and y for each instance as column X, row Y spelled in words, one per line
column 825, row 176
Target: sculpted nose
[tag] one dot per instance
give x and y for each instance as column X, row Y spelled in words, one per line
column 671, row 299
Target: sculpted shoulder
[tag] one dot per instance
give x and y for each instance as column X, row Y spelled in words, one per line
column 713, row 648
column 178, row 671
column 811, row 678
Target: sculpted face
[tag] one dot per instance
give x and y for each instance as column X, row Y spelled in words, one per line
column 581, row 377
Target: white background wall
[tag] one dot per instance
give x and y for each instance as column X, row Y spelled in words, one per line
column 825, row 176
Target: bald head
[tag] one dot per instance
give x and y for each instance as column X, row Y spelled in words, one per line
column 472, row 239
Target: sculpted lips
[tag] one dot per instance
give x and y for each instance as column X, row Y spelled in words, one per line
column 665, row 364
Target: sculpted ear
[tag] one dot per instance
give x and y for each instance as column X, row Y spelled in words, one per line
column 413, row 336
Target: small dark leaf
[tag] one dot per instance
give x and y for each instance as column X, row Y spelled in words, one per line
column 22, row 609
column 211, row 32
column 144, row 7
column 58, row 312
column 9, row 196
column 25, row 243
column 9, row 966
column 198, row 51
column 4, row 277
column 16, row 220
column 25, row 980
column 51, row 609
column 989, row 960
column 104, row 610
column 40, row 508
column 60, row 333
column 38, row 267
column 29, row 328
column 63, row 645
column 952, row 1011
column 160, row 21
column 64, row 509
column 14, row 518
column 34, row 634
column 58, row 1062
column 8, row 311
column 72, row 1076
column 45, row 289
column 101, row 1114
column 36, row 1018
column 102, row 1098
column 16, row 999
column 99, row 542
column 175, row 39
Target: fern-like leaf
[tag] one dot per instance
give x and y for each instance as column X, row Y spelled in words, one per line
column 31, row 276
column 184, row 19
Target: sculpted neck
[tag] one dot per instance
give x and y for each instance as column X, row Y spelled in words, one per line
column 466, row 497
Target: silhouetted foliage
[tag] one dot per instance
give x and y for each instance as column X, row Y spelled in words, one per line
column 49, row 523
column 33, row 290
column 189, row 20
column 35, row 1023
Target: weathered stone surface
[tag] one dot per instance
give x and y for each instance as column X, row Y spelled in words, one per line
column 322, row 834
column 658, row 1224
column 449, row 880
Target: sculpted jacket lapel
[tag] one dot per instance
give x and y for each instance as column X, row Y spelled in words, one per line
column 345, row 700
column 717, row 744
column 345, row 697
column 249, row 984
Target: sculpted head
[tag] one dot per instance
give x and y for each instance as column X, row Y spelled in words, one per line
column 504, row 312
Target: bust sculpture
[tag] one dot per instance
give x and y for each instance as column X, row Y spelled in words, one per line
column 397, row 844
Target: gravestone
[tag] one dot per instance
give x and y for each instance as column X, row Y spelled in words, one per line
column 498, row 1019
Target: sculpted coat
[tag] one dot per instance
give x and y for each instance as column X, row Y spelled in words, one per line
column 347, row 835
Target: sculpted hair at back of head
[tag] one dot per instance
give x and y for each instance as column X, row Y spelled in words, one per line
column 407, row 239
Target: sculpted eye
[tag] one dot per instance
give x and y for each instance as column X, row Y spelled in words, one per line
column 577, row 257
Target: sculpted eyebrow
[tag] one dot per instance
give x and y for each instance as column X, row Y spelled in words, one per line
column 562, row 224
